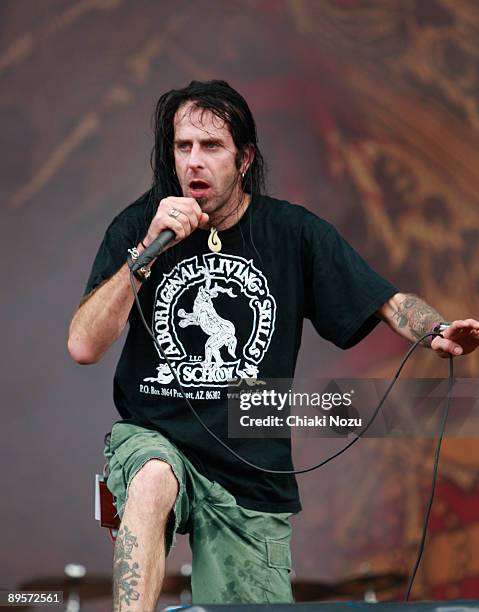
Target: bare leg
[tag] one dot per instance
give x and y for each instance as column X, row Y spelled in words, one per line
column 139, row 559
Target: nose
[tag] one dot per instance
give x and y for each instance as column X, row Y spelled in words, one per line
column 195, row 160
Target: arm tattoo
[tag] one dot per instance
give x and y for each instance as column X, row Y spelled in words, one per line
column 418, row 316
column 125, row 574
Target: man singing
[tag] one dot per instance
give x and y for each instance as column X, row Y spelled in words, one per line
column 225, row 301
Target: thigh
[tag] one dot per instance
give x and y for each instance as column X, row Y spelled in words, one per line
column 239, row 555
column 127, row 451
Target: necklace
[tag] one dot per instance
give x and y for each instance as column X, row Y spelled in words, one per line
column 214, row 242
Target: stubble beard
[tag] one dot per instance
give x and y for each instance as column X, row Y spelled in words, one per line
column 224, row 204
column 222, row 207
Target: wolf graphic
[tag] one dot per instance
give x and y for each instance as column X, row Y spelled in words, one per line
column 220, row 332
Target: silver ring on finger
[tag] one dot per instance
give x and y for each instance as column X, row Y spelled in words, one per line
column 173, row 212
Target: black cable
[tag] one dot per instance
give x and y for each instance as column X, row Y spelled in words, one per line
column 234, row 453
column 434, row 479
column 345, row 448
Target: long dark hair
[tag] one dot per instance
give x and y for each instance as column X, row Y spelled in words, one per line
column 224, row 102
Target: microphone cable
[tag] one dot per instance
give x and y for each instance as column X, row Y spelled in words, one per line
column 234, row 453
column 437, row 452
column 348, row 445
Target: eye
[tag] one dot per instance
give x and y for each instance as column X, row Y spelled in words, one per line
column 212, row 145
column 182, row 146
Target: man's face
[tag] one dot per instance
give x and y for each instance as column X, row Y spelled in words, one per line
column 205, row 160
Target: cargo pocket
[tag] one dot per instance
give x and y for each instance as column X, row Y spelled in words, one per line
column 278, row 557
column 115, row 476
column 278, row 554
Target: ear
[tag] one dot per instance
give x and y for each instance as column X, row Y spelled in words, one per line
column 247, row 158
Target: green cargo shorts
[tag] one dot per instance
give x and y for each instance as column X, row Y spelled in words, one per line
column 239, row 555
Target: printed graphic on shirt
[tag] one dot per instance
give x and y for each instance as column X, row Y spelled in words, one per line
column 224, row 304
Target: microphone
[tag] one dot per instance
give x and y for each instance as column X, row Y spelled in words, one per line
column 154, row 249
column 158, row 244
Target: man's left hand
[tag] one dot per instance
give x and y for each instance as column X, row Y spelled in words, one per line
column 460, row 338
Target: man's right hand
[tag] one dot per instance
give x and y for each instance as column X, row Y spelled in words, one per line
column 103, row 315
column 189, row 218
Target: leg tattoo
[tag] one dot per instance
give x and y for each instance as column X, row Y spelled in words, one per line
column 125, row 572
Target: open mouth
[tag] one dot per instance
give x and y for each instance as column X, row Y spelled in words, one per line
column 198, row 185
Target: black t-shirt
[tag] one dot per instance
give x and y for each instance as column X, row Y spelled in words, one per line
column 238, row 312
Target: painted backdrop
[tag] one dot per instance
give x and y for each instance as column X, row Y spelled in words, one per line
column 368, row 114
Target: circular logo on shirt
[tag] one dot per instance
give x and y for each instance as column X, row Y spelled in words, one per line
column 213, row 317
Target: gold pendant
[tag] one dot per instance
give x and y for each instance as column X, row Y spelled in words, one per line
column 214, row 242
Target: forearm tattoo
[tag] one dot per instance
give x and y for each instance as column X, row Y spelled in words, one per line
column 125, row 572
column 418, row 316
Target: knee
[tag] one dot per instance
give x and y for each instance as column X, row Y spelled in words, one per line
column 154, row 487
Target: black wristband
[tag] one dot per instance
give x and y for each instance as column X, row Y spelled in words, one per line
column 139, row 277
column 440, row 327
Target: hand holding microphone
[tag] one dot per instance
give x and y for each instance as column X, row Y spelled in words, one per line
column 175, row 219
